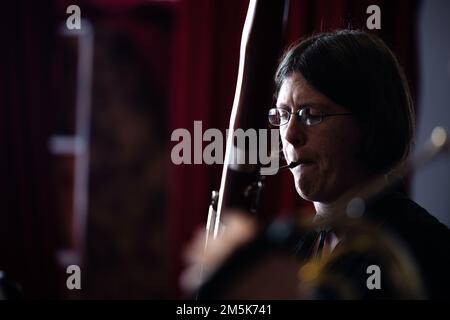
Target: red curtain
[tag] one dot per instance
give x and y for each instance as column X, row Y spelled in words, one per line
column 28, row 227
column 205, row 71
column 33, row 229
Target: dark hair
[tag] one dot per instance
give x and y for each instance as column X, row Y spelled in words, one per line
column 358, row 71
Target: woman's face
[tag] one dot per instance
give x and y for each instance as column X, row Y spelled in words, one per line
column 327, row 151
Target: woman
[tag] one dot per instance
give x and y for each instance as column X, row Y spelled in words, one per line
column 345, row 114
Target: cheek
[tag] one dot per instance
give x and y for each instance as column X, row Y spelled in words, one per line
column 340, row 149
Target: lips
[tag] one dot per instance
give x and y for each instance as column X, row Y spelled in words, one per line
column 302, row 160
column 300, row 163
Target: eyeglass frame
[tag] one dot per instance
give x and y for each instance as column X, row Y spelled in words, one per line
column 303, row 119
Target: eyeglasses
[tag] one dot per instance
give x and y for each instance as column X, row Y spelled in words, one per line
column 309, row 116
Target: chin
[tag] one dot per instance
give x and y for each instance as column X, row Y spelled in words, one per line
column 313, row 192
column 305, row 194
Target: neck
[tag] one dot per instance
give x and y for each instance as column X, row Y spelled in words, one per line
column 339, row 204
column 325, row 209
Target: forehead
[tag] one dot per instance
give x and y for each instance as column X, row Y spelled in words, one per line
column 296, row 91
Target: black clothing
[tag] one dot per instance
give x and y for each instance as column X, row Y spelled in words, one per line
column 426, row 239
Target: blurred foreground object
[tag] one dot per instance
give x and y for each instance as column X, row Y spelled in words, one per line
column 203, row 260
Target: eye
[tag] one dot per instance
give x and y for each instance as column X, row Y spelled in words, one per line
column 278, row 116
column 311, row 116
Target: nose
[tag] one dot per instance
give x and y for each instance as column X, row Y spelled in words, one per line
column 293, row 132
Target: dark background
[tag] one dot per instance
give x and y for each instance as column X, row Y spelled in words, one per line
column 157, row 66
